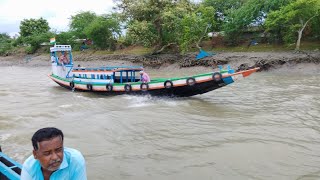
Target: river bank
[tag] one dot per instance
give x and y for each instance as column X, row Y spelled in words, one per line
column 238, row 60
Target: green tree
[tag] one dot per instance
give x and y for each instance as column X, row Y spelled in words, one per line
column 141, row 12
column 142, row 32
column 293, row 19
column 223, row 9
column 66, row 38
column 154, row 23
column 195, row 26
column 248, row 13
column 104, row 31
column 34, row 41
column 5, row 43
column 31, row 26
column 81, row 21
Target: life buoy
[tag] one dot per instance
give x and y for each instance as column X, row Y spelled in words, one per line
column 144, row 86
column 191, row 81
column 89, row 87
column 168, row 84
column 127, row 88
column 216, row 76
column 72, row 84
column 109, row 87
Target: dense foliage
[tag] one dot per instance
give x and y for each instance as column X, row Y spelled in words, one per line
column 5, row 43
column 80, row 21
column 31, row 26
column 292, row 19
column 180, row 25
column 104, row 31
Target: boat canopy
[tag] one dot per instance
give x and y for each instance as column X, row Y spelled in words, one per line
column 62, row 49
column 113, row 74
column 111, row 68
column 56, row 48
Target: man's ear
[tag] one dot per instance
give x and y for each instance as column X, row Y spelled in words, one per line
column 34, row 154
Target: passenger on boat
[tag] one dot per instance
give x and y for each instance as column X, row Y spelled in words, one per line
column 63, row 59
column 144, row 77
column 53, row 58
column 51, row 160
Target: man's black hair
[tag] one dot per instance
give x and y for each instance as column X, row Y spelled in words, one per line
column 45, row 134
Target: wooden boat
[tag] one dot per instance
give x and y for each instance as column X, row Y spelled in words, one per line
column 9, row 168
column 119, row 80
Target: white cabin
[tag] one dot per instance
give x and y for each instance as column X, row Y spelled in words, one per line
column 61, row 61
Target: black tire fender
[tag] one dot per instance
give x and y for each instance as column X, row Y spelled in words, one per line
column 71, row 84
column 217, row 76
column 89, row 87
column 109, row 87
column 144, row 86
column 168, row 84
column 191, row 81
column 127, row 88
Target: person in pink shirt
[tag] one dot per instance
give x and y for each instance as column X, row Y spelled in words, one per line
column 63, row 59
column 144, row 77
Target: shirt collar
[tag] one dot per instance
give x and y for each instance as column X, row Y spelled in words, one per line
column 64, row 163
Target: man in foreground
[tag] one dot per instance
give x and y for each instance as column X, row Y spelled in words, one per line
column 50, row 160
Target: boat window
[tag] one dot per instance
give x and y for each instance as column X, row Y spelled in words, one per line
column 127, row 76
column 101, row 76
column 93, row 76
column 79, row 75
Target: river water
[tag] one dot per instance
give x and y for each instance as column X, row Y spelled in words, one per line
column 264, row 127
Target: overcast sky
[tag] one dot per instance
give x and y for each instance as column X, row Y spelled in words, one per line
column 57, row 12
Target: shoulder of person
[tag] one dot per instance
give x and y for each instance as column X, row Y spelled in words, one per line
column 73, row 155
column 31, row 165
column 30, row 160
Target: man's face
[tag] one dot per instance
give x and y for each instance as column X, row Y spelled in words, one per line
column 50, row 153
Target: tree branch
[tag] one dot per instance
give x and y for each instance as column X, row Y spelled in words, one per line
column 163, row 48
column 205, row 32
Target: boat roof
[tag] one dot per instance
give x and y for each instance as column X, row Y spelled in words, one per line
column 111, row 68
column 60, row 48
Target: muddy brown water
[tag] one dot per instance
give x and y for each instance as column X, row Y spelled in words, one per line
column 264, row 127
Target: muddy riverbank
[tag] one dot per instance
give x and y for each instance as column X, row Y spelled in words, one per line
column 237, row 60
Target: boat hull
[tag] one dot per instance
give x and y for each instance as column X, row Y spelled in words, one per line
column 180, row 91
column 179, row 87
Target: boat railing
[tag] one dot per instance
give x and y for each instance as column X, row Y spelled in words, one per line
column 60, row 48
column 9, row 169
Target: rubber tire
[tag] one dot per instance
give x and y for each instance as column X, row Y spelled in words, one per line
column 217, row 74
column 71, row 84
column 89, row 87
column 166, row 86
column 109, row 87
column 144, row 86
column 127, row 88
column 191, row 81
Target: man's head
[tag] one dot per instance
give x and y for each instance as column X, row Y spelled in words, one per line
column 48, row 147
column 141, row 72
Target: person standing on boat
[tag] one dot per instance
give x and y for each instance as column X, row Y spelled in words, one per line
column 51, row 160
column 144, row 77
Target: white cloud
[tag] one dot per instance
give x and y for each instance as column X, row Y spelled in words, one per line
column 57, row 13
